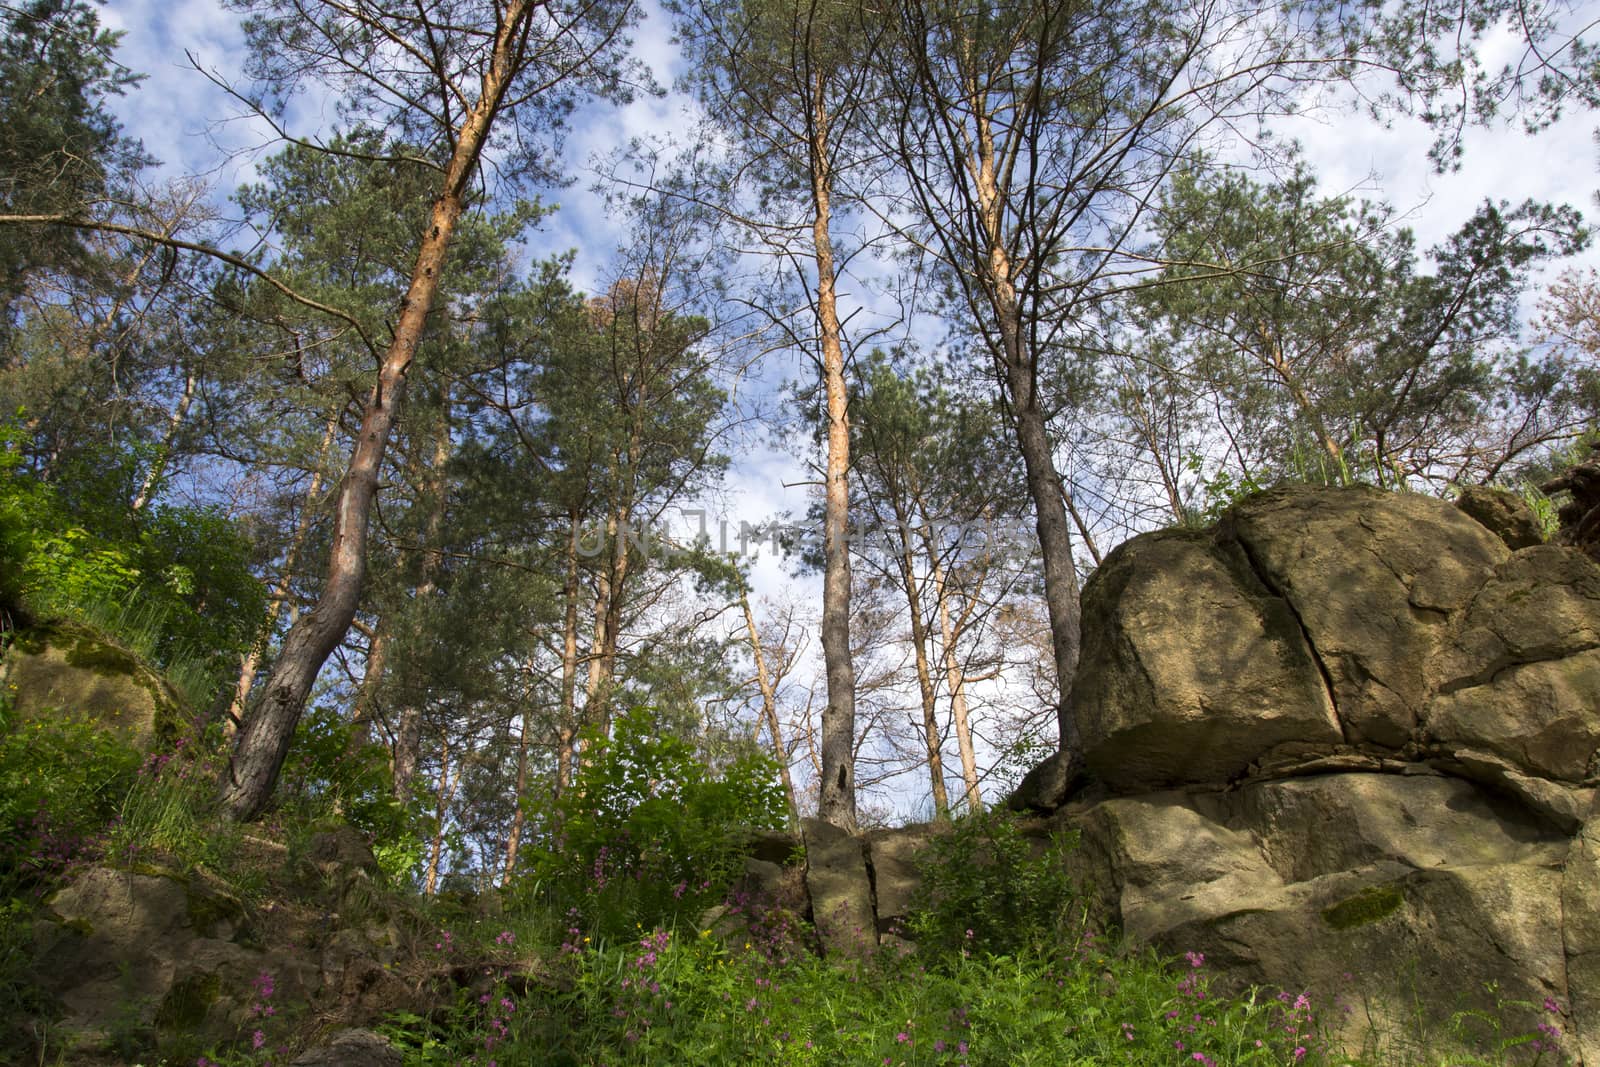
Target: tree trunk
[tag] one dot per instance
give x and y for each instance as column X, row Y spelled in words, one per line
column 596, row 688
column 769, row 705
column 567, row 728
column 263, row 743
column 366, row 706
column 434, row 490
column 158, row 465
column 1018, row 367
column 407, row 747
column 925, row 687
column 408, row 740
column 1055, row 543
column 956, row 680
column 250, row 663
column 620, row 527
column 518, row 817
column 1278, row 363
column 446, row 793
column 837, row 802
column 611, row 633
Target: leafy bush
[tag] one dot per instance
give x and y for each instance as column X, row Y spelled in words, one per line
column 173, row 583
column 984, row 889
column 324, row 778
column 649, row 832
column 62, row 781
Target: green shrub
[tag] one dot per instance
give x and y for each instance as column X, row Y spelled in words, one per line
column 984, row 889
column 172, row 583
column 62, row 780
column 648, row 832
column 325, row 778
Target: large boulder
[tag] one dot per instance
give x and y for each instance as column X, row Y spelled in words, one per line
column 1372, row 578
column 1318, row 622
column 840, row 887
column 139, row 955
column 73, row 670
column 1192, row 669
column 1503, row 513
column 1543, row 603
column 895, row 876
column 142, row 959
column 1403, row 889
column 1348, row 743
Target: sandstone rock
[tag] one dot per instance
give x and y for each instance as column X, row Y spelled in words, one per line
column 764, row 906
column 1047, row 786
column 1371, row 577
column 1503, row 513
column 1559, row 804
column 1416, row 832
column 1580, row 931
column 145, row 951
column 895, row 878
column 1192, row 669
column 1315, row 826
column 66, row 669
column 1432, row 940
column 1543, row 603
column 1543, row 717
column 840, row 889
column 1411, row 883
column 1153, row 858
column 352, row 1048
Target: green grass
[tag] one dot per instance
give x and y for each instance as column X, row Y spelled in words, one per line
column 141, row 626
column 682, row 997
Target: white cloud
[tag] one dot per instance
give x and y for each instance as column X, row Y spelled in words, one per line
column 1351, row 153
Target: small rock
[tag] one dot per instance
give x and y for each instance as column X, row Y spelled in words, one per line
column 352, row 1048
column 1503, row 513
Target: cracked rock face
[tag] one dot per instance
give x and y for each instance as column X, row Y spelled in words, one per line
column 1350, row 740
column 1352, row 620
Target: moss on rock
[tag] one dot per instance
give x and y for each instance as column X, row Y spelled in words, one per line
column 74, row 670
column 1368, row 906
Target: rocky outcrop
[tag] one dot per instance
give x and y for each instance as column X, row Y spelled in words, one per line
column 1170, row 702
column 69, row 669
column 1351, row 625
column 140, row 957
column 1346, row 742
column 1503, row 513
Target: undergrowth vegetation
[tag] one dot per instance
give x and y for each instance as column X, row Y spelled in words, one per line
column 171, row 583
column 597, row 953
column 997, row 978
column 626, row 934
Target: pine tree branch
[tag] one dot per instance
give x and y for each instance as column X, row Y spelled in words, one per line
column 80, row 222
